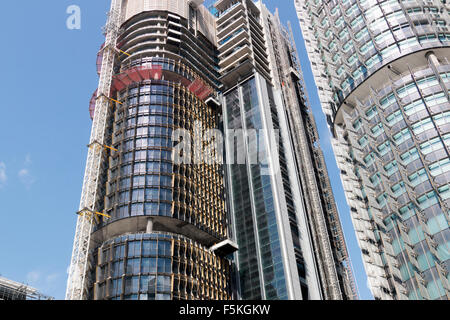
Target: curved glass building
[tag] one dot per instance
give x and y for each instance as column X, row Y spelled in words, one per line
column 165, row 215
column 169, row 213
column 383, row 75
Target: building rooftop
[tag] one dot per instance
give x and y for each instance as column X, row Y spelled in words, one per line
column 11, row 290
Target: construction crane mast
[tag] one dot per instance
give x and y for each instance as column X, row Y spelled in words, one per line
column 87, row 214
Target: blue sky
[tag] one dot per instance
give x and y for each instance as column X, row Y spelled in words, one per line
column 48, row 77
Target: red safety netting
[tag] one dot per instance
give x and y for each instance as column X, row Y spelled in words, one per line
column 155, row 72
column 92, row 105
column 149, row 72
column 200, row 89
column 136, row 74
column 203, row 94
column 196, row 86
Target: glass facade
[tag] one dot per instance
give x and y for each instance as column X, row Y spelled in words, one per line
column 159, row 267
column 289, row 197
column 143, row 179
column 382, row 72
column 253, row 180
column 270, row 194
column 404, row 153
column 164, row 216
column 249, row 272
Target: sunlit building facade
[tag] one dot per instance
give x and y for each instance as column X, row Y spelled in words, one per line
column 166, row 218
column 383, row 75
column 284, row 219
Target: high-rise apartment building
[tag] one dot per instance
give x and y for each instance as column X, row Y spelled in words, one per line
column 382, row 71
column 154, row 227
column 285, row 222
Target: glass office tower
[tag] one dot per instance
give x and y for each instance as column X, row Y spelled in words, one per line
column 382, row 71
column 167, row 218
column 291, row 244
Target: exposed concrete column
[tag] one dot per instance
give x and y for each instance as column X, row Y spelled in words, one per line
column 432, row 59
column 434, row 63
column 149, row 225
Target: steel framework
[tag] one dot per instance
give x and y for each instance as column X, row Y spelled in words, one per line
column 76, row 283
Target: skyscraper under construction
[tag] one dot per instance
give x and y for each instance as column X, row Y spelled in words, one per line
column 153, row 227
column 149, row 223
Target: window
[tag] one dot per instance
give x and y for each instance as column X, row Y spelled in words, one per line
column 148, row 265
column 149, row 247
column 131, row 284
column 164, row 248
column 163, row 284
column 164, row 265
column 133, row 266
column 134, row 248
column 427, row 200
